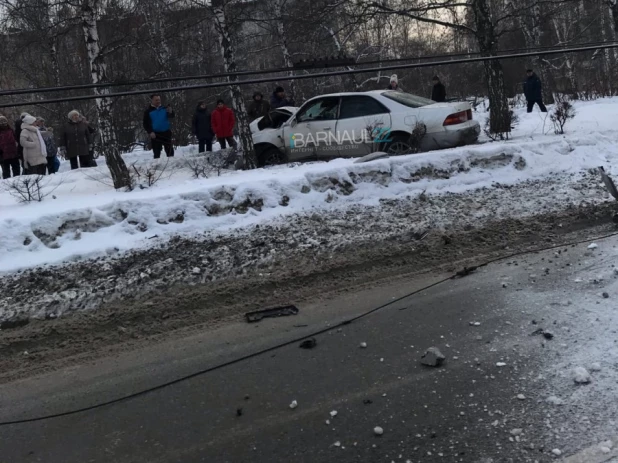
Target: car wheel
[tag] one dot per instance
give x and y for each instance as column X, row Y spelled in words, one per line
column 271, row 157
column 399, row 145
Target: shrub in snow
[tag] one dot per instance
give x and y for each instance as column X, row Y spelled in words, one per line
column 29, row 188
column 562, row 113
column 148, row 175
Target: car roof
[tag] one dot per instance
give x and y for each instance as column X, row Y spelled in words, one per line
column 369, row 92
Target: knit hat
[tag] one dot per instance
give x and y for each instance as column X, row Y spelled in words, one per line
column 279, row 90
column 72, row 113
column 436, row 78
column 257, row 94
column 3, row 119
column 220, row 102
column 22, row 115
column 28, row 119
column 394, row 79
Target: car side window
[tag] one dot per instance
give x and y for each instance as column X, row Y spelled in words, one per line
column 360, row 106
column 324, row 109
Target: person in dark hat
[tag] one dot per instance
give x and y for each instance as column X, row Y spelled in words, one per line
column 223, row 121
column 259, row 107
column 278, row 99
column 438, row 93
column 533, row 90
column 202, row 128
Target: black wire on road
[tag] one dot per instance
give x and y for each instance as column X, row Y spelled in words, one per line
column 296, row 340
column 307, row 76
column 22, row 91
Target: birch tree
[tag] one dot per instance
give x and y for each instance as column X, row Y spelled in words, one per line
column 104, row 104
column 228, row 51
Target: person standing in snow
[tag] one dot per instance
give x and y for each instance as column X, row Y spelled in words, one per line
column 394, row 84
column 20, row 149
column 259, row 107
column 438, row 92
column 35, row 153
column 223, row 121
column 50, row 146
column 93, row 135
column 533, row 90
column 157, row 124
column 9, row 155
column 75, row 141
column 278, row 99
column 202, row 128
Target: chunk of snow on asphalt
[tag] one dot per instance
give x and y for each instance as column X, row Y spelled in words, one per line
column 378, row 431
column 595, row 366
column 363, row 344
column 554, row 400
column 500, row 364
column 521, row 397
column 475, row 324
column 581, row 375
column 333, row 413
column 516, row 431
column 593, row 246
column 337, row 444
column 196, row 270
column 294, row 404
column 556, row 452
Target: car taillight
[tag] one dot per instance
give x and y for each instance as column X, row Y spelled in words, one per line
column 458, row 118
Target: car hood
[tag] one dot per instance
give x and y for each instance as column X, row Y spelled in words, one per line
column 254, row 124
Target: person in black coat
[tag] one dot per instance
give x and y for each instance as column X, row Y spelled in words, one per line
column 533, row 89
column 438, row 93
column 202, row 128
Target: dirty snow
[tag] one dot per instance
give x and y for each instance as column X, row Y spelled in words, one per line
column 83, row 217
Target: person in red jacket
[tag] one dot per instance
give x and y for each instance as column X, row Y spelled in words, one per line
column 8, row 150
column 222, row 121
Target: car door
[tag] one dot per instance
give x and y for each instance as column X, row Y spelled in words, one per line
column 363, row 125
column 312, row 131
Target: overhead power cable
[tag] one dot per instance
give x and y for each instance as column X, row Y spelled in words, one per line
column 22, row 91
column 308, row 76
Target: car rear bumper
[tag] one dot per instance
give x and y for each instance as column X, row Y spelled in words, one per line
column 462, row 134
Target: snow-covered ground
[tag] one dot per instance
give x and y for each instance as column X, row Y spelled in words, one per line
column 84, row 217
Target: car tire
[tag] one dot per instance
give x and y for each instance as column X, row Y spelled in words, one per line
column 399, row 145
column 271, row 157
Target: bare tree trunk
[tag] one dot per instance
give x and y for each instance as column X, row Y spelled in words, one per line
column 98, row 74
column 238, row 101
column 283, row 45
column 499, row 114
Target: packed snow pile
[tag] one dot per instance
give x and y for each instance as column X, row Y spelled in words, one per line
column 83, row 217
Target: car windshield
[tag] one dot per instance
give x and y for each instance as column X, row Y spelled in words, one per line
column 407, row 99
column 274, row 119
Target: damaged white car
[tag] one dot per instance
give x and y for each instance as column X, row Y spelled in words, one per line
column 356, row 124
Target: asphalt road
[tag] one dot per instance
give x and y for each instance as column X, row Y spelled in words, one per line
column 465, row 411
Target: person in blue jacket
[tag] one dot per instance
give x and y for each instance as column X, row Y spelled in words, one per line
column 157, row 124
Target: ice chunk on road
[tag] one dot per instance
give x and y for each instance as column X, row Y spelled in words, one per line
column 581, row 375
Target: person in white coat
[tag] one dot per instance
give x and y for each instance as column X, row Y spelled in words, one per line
column 35, row 153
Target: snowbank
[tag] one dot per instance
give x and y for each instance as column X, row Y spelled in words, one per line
column 83, row 217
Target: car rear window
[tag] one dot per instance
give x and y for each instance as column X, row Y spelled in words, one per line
column 406, row 99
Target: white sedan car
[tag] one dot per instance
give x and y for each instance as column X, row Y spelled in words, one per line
column 360, row 123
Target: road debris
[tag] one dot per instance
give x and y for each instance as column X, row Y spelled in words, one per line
column 516, row 432
column 595, row 367
column 196, row 270
column 378, row 431
column 554, row 400
column 521, row 397
column 433, row 357
column 500, row 364
column 581, row 375
column 541, row 331
column 475, row 323
column 556, row 452
column 363, row 345
column 593, row 246
column 308, row 344
column 333, row 413
column 239, row 411
column 283, row 311
column 293, row 405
